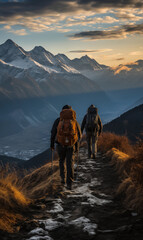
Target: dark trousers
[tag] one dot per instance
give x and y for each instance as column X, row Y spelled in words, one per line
column 66, row 153
column 92, row 143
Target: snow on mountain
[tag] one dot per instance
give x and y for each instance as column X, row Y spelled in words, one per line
column 39, row 54
column 63, row 58
column 86, row 63
column 40, row 70
column 9, row 50
column 69, row 69
column 14, row 55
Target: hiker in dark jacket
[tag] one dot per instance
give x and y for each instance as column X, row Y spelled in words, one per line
column 93, row 127
column 66, row 148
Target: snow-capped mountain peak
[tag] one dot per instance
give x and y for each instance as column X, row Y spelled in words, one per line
column 62, row 58
column 11, row 53
column 41, row 55
column 9, row 43
column 38, row 49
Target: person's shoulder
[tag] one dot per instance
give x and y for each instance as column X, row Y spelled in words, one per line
column 56, row 121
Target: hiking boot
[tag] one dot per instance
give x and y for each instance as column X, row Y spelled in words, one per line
column 94, row 156
column 69, row 186
column 89, row 155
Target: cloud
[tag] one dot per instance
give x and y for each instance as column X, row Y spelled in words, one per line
column 37, row 8
column 118, row 69
column 136, row 53
column 62, row 15
column 119, row 33
column 119, row 59
column 7, row 27
column 58, row 22
column 113, row 4
column 84, row 21
column 91, row 51
column 36, row 24
column 21, row 32
column 128, row 16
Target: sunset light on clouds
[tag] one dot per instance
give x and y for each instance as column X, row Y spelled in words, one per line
column 109, row 31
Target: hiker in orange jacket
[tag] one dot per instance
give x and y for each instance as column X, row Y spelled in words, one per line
column 93, row 127
column 66, row 133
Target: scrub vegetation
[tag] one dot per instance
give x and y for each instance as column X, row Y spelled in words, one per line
column 17, row 194
column 128, row 162
column 12, row 200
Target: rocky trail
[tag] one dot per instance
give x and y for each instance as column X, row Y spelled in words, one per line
column 89, row 211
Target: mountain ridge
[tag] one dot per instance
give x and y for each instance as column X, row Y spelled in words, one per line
column 46, row 71
column 129, row 123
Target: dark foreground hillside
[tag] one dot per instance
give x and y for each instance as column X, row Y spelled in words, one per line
column 130, row 124
column 90, row 211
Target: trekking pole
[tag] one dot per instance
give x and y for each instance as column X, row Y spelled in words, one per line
column 78, row 157
column 52, row 168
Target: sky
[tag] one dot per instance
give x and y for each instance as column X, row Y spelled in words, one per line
column 110, row 31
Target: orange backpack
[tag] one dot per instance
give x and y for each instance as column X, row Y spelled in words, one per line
column 67, row 133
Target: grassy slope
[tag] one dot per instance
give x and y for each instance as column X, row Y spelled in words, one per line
column 128, row 162
column 16, row 194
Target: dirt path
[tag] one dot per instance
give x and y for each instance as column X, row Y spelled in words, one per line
column 89, row 211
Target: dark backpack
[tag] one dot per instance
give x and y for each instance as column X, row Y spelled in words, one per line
column 92, row 120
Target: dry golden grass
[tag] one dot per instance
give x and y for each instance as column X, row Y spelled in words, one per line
column 42, row 181
column 119, row 160
column 108, row 140
column 12, row 201
column 16, row 194
column 9, row 220
column 130, row 168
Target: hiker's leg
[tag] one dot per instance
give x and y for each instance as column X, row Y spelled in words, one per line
column 89, row 142
column 70, row 165
column 94, row 145
column 96, row 140
column 62, row 154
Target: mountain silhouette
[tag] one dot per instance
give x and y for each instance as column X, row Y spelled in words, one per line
column 130, row 124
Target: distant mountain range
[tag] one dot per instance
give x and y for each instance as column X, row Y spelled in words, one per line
column 130, row 124
column 40, row 73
